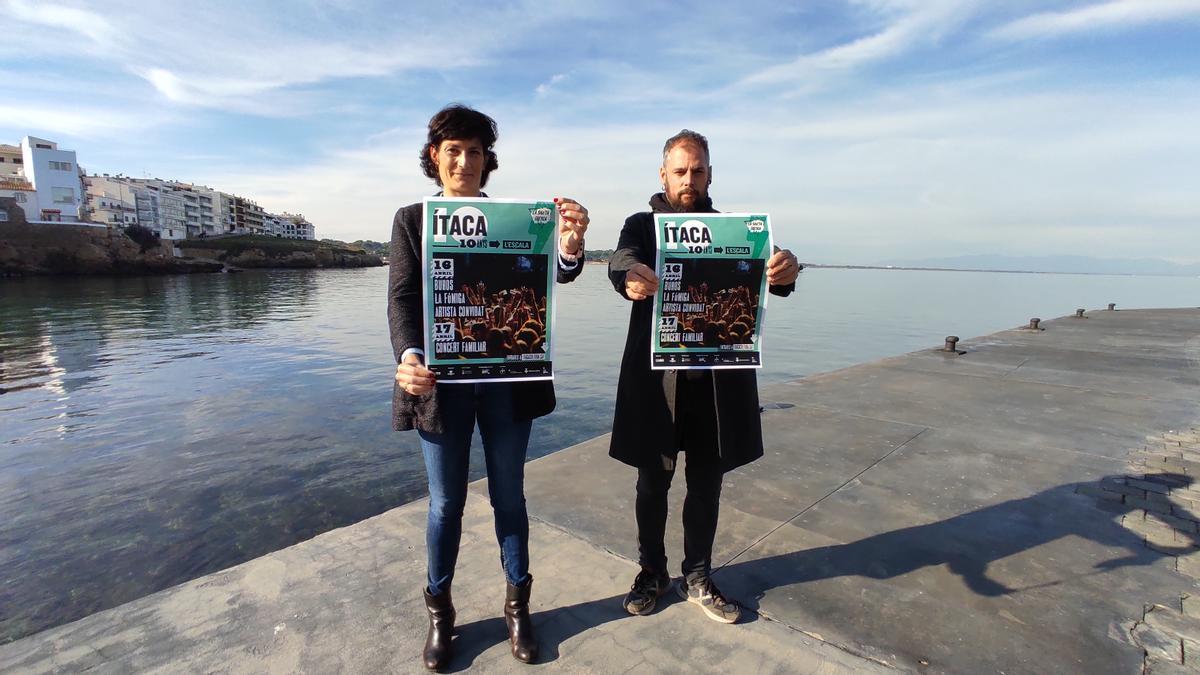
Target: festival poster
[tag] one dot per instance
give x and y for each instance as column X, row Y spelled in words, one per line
column 712, row 291
column 489, row 288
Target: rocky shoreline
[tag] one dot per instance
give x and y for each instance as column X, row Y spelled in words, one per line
column 67, row 249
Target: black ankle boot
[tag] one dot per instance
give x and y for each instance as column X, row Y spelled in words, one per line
column 441, row 628
column 520, row 626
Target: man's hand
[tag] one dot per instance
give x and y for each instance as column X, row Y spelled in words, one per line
column 413, row 377
column 640, row 282
column 782, row 268
column 572, row 225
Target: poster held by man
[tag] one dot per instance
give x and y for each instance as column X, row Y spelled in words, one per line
column 489, row 298
column 709, row 308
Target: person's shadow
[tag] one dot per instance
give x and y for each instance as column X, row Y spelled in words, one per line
column 966, row 544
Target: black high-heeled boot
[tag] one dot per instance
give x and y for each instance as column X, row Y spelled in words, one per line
column 520, row 626
column 441, row 628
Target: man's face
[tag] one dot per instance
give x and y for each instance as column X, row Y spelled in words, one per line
column 460, row 166
column 685, row 175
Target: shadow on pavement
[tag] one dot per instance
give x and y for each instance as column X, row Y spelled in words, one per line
column 966, row 544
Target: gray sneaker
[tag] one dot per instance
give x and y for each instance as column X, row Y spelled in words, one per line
column 647, row 588
column 705, row 593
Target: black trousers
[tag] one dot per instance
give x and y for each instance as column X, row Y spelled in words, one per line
column 696, row 435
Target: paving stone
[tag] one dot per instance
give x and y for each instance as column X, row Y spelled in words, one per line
column 1122, row 488
column 1149, row 505
column 1189, row 565
column 1101, row 493
column 1163, row 544
column 1181, row 438
column 1151, row 485
column 1187, row 493
column 1172, row 479
column 1160, row 667
column 1182, row 499
column 1138, row 522
column 1181, row 524
column 1174, row 622
column 1191, row 654
column 1159, row 644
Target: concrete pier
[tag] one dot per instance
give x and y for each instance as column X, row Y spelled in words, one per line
column 1026, row 506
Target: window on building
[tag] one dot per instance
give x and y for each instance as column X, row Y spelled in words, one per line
column 1, row 160
column 20, row 197
column 18, row 160
column 3, row 216
column 63, row 195
column 43, row 146
column 60, row 166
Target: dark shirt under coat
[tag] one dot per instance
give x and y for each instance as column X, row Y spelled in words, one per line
column 644, row 422
column 405, row 277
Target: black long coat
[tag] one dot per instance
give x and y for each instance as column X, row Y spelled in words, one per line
column 643, row 427
column 405, row 276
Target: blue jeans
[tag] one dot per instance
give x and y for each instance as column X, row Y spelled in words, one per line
column 447, row 460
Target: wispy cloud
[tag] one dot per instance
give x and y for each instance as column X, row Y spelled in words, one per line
column 906, row 27
column 545, row 87
column 224, row 56
column 1118, row 14
column 91, row 25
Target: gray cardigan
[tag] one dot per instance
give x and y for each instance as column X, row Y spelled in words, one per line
column 405, row 277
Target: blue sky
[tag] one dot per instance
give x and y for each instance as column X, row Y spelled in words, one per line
column 869, row 129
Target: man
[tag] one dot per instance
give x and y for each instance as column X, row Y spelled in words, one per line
column 713, row 416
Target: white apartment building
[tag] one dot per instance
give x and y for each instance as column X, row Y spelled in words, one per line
column 296, row 227
column 56, row 178
column 273, row 225
column 111, row 201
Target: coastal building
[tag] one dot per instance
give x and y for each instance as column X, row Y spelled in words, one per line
column 56, row 179
column 111, row 201
column 297, row 227
column 249, row 217
column 273, row 225
column 12, row 161
column 172, row 220
column 20, row 191
column 214, row 210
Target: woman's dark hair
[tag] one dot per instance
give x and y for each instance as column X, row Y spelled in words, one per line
column 458, row 122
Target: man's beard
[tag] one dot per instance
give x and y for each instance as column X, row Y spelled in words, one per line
column 677, row 200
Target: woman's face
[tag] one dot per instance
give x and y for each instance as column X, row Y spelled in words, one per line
column 460, row 166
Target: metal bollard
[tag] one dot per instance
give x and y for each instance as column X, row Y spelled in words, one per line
column 1112, row 306
column 951, row 344
column 1033, row 323
column 1079, row 313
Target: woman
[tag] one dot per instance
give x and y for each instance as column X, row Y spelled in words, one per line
column 458, row 156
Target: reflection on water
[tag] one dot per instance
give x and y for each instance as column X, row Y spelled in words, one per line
column 154, row 430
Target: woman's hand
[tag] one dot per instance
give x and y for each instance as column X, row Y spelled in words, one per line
column 572, row 225
column 413, row 377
